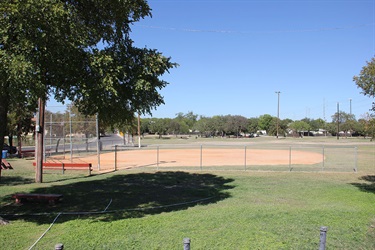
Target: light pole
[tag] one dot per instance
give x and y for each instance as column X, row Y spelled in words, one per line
column 338, row 121
column 278, row 113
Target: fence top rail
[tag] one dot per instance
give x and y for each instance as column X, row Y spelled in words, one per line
column 226, row 146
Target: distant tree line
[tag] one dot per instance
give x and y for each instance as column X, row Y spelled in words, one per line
column 193, row 124
column 237, row 125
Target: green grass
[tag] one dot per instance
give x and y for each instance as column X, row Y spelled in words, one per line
column 217, row 210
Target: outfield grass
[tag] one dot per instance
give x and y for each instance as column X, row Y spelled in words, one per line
column 217, row 210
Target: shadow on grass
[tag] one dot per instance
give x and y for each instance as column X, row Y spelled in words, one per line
column 14, row 181
column 366, row 187
column 126, row 196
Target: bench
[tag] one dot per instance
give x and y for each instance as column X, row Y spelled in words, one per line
column 51, row 198
column 66, row 166
column 27, row 153
column 30, row 152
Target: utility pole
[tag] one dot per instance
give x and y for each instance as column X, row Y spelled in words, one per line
column 324, row 117
column 139, row 130
column 350, row 100
column 338, row 121
column 278, row 113
column 39, row 130
column 97, row 139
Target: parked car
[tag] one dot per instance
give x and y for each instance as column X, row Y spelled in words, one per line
column 11, row 150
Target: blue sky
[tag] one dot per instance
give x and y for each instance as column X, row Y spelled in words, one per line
column 234, row 55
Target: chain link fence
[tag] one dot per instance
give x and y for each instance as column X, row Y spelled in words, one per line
column 69, row 136
column 230, row 157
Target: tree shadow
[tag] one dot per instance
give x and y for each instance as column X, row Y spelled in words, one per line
column 366, row 187
column 15, row 180
column 123, row 196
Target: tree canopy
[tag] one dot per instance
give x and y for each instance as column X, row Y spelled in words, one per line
column 80, row 51
column 366, row 80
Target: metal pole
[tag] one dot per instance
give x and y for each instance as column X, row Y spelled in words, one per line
column 278, row 113
column 290, row 158
column 64, row 137
column 70, row 135
column 186, row 244
column 245, row 158
column 338, row 121
column 98, row 141
column 115, row 157
column 139, row 130
column 157, row 157
column 355, row 159
column 201, row 157
column 59, row 246
column 323, row 159
column 50, row 135
column 323, row 237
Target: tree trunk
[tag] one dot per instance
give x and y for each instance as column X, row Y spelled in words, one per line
column 19, row 139
column 40, row 142
column 4, row 107
column 10, row 139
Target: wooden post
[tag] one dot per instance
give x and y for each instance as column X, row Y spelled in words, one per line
column 39, row 130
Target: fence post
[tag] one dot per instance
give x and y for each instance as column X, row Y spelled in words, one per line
column 98, row 144
column 157, row 158
column 355, row 159
column 245, row 157
column 201, row 157
column 290, row 158
column 323, row 159
column 115, row 157
column 186, row 244
column 323, row 237
column 59, row 246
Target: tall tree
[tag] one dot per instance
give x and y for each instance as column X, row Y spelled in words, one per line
column 19, row 123
column 366, row 80
column 205, row 126
column 160, row 126
column 344, row 120
column 81, row 51
column 253, row 125
column 299, row 126
column 265, row 122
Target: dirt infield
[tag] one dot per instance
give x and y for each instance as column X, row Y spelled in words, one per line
column 207, row 157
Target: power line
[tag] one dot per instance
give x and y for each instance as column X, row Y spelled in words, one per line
column 192, row 30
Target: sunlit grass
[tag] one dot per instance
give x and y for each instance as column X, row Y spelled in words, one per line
column 156, row 210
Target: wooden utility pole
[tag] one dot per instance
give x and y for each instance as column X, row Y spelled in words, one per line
column 139, row 130
column 278, row 113
column 338, row 121
column 39, row 143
